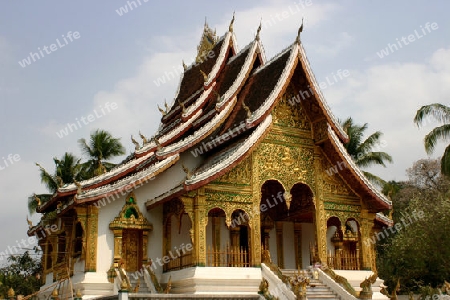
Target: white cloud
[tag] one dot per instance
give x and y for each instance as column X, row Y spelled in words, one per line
column 387, row 97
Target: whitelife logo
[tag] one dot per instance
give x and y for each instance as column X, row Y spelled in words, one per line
column 49, row 49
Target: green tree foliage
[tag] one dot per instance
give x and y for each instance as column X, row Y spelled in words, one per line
column 362, row 150
column 419, row 253
column 440, row 113
column 67, row 168
column 22, row 274
column 101, row 147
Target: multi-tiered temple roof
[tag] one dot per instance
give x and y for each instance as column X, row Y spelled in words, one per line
column 223, row 107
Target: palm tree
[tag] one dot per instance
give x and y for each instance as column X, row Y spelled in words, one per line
column 102, row 146
column 67, row 169
column 362, row 150
column 440, row 113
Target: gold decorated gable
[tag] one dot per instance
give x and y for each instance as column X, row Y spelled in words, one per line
column 207, row 43
column 288, row 164
column 332, row 181
column 130, row 217
column 289, row 112
column 238, row 176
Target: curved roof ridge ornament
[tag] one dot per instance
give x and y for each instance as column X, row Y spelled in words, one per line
column 247, row 110
column 230, row 28
column 205, row 76
column 297, row 40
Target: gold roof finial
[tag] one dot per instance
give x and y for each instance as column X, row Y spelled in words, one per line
column 38, row 200
column 183, row 109
column 219, row 98
column 184, row 65
column 187, row 171
column 79, row 186
column 162, row 111
column 30, row 224
column 136, row 144
column 144, row 139
column 258, row 30
column 55, row 293
column 247, row 109
column 157, row 143
column 299, row 31
column 166, row 105
column 205, row 77
column 230, row 28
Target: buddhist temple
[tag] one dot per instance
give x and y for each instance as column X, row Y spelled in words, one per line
column 232, row 187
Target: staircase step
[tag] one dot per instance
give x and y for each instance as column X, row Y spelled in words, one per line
column 316, row 290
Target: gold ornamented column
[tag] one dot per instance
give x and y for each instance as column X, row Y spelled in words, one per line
column 320, row 221
column 200, row 221
column 298, row 244
column 117, row 247
column 91, row 238
column 368, row 250
column 280, row 252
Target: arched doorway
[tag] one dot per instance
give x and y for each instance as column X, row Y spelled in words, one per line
column 343, row 244
column 287, row 223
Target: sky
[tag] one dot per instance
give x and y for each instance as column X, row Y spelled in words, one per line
column 108, row 64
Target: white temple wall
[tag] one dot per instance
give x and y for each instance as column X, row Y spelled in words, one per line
column 155, row 237
column 105, row 241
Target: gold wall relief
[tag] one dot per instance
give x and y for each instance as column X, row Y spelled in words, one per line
column 239, row 175
column 289, row 165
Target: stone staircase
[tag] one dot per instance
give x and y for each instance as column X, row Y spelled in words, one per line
column 142, row 288
column 316, row 290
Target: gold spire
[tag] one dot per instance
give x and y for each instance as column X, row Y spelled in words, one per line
column 207, row 43
column 184, row 65
column 230, row 28
column 258, row 31
column 299, row 31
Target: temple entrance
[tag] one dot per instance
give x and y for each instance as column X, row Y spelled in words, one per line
column 287, row 223
column 132, row 250
column 130, row 230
